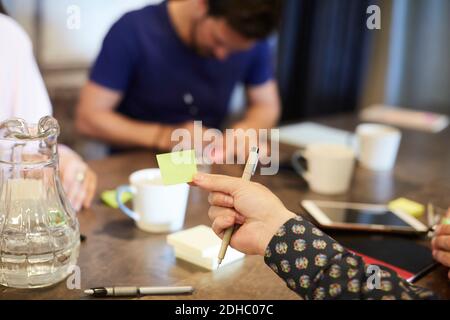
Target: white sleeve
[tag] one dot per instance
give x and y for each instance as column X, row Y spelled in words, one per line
column 31, row 101
column 22, row 90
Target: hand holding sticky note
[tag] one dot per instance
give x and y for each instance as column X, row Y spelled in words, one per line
column 177, row 167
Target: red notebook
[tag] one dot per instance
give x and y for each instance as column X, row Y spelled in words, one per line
column 405, row 274
column 401, row 254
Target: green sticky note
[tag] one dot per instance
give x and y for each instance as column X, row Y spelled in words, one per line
column 109, row 198
column 177, row 167
column 446, row 221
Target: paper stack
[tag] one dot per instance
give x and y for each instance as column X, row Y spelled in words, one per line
column 305, row 133
column 200, row 246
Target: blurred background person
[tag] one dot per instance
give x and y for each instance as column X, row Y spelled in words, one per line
column 23, row 95
column 165, row 65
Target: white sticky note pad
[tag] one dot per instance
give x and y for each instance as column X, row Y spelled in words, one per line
column 200, row 246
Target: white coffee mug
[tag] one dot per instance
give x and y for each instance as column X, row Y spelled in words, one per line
column 378, row 146
column 330, row 167
column 156, row 208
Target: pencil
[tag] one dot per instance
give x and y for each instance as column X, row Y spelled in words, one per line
column 249, row 170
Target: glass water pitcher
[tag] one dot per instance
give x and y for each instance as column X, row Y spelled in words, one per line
column 39, row 232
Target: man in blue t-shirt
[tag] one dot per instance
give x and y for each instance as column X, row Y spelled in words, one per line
column 166, row 65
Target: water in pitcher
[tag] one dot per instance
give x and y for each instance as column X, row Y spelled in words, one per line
column 40, row 257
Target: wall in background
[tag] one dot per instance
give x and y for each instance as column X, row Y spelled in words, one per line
column 410, row 57
column 419, row 58
column 61, row 46
column 375, row 80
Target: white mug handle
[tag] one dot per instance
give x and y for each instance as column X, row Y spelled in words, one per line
column 121, row 190
column 301, row 171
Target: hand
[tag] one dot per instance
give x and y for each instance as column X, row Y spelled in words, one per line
column 257, row 211
column 245, row 136
column 79, row 181
column 164, row 140
column 441, row 244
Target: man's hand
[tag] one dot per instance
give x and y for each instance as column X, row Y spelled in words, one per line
column 164, row 140
column 251, row 205
column 243, row 143
column 441, row 244
column 263, row 112
column 79, row 181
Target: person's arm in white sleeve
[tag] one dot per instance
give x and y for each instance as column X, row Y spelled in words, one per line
column 23, row 91
column 23, row 95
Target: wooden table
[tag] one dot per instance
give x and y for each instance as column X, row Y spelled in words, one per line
column 117, row 253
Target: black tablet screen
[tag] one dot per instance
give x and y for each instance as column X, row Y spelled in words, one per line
column 363, row 216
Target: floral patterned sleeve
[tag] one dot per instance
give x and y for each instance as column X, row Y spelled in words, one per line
column 315, row 266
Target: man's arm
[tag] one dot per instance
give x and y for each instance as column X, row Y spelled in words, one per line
column 263, row 107
column 96, row 117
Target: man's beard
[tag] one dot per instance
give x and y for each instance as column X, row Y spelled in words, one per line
column 194, row 40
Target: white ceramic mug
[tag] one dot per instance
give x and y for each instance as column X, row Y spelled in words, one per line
column 378, row 146
column 156, row 208
column 330, row 167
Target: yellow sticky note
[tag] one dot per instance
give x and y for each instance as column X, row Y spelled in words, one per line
column 408, row 206
column 109, row 198
column 177, row 167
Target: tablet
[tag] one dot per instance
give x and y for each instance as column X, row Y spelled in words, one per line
column 362, row 216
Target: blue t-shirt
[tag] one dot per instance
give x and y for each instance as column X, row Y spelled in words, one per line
column 165, row 81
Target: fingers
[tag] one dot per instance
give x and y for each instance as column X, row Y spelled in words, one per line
column 441, row 243
column 443, row 229
column 220, row 199
column 79, row 193
column 77, row 188
column 217, row 183
column 215, row 212
column 73, row 191
column 68, row 172
column 90, row 189
column 79, row 197
column 223, row 218
column 221, row 223
column 442, row 256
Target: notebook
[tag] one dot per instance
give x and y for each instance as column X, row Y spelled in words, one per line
column 405, row 118
column 302, row 134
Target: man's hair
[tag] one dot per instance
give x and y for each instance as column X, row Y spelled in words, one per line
column 253, row 19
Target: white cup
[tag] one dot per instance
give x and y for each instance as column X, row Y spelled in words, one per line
column 378, row 146
column 156, row 208
column 330, row 167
